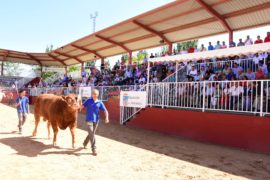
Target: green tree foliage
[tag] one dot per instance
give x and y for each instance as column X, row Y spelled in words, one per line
column 49, row 48
column 186, row 45
column 12, row 69
column 74, row 68
column 90, row 64
column 46, row 75
column 141, row 55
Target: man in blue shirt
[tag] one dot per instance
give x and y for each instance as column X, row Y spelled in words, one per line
column 22, row 105
column 93, row 106
column 210, row 47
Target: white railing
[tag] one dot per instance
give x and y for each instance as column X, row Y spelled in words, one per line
column 231, row 96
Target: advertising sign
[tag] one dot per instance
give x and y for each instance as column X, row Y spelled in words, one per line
column 133, row 99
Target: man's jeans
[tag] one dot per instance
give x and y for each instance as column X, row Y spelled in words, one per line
column 91, row 128
column 22, row 118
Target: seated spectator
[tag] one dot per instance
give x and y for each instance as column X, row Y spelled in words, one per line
column 267, row 38
column 250, row 75
column 193, row 73
column 218, row 46
column 248, row 41
column 210, row 47
column 256, row 59
column 259, row 40
column 230, row 74
column 260, row 75
column 236, row 68
column 232, row 44
column 196, row 49
column 202, row 48
column 223, row 46
column 240, row 43
column 152, row 55
column 263, row 67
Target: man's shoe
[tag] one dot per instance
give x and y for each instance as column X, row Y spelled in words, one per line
column 84, row 146
column 94, row 152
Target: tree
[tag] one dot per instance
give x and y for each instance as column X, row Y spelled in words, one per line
column 49, row 48
column 12, row 69
column 124, row 58
column 90, row 64
column 141, row 55
column 73, row 68
column 186, row 45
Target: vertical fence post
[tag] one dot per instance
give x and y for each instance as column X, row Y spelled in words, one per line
column 261, row 102
column 204, row 86
column 176, row 72
column 163, row 95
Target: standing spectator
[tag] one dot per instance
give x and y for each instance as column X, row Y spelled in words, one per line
column 22, row 105
column 235, row 91
column 267, row 38
column 218, row 46
column 152, row 55
column 248, row 41
column 240, row 43
column 223, row 46
column 232, row 44
column 202, row 48
column 259, row 40
column 210, row 47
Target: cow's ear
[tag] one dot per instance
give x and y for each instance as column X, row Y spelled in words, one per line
column 64, row 97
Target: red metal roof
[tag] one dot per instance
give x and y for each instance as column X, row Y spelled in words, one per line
column 180, row 20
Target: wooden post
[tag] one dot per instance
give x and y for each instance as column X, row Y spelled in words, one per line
column 2, row 68
column 129, row 57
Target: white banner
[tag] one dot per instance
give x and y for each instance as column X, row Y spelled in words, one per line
column 133, row 99
column 85, row 91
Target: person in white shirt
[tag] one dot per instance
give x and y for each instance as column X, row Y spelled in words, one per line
column 248, row 41
column 193, row 73
column 236, row 92
column 210, row 91
column 202, row 48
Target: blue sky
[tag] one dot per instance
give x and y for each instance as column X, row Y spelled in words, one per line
column 31, row 25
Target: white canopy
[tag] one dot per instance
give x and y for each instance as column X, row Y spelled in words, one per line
column 235, row 51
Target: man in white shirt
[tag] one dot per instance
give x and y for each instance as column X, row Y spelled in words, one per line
column 236, row 92
column 193, row 73
column 248, row 41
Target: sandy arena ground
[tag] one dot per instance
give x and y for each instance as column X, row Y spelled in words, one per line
column 124, row 153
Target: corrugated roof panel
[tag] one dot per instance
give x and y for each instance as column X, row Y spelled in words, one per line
column 144, row 43
column 71, row 62
column 118, row 29
column 248, row 20
column 237, row 5
column 180, row 21
column 114, row 50
column 98, row 45
column 133, row 34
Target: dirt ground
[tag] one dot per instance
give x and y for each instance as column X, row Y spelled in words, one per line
column 124, row 153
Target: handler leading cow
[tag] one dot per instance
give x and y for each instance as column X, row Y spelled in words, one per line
column 59, row 111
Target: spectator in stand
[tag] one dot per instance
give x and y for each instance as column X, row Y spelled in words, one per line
column 259, row 40
column 236, row 68
column 210, row 47
column 240, row 43
column 260, row 75
column 230, row 74
column 263, row 67
column 218, row 46
column 232, row 44
column 193, row 73
column 152, row 55
column 267, row 38
column 191, row 50
column 202, row 48
column 223, row 46
column 248, row 41
column 250, row 75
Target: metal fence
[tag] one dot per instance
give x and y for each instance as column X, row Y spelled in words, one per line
column 232, row 96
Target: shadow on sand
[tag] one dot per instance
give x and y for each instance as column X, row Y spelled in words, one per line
column 33, row 148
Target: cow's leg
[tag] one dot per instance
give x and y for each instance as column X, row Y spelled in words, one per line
column 72, row 130
column 48, row 127
column 55, row 131
column 37, row 119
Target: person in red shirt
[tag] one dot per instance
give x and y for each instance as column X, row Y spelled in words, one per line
column 259, row 40
column 260, row 74
column 267, row 38
column 191, row 50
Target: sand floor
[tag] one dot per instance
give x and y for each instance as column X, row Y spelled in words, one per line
column 124, row 153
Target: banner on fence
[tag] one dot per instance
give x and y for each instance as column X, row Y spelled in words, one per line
column 85, row 91
column 133, row 99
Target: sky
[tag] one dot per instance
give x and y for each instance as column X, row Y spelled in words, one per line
column 31, row 25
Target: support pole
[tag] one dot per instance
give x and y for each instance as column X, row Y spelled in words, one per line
column 129, row 57
column 148, row 81
column 176, row 71
column 65, row 69
column 230, row 36
column 170, row 49
column 2, row 68
column 82, row 67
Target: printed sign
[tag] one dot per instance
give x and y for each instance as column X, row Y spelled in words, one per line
column 133, row 99
column 85, row 91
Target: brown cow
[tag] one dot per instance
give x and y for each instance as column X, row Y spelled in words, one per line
column 59, row 111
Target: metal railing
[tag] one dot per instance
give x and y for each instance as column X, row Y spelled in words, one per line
column 178, row 76
column 231, row 96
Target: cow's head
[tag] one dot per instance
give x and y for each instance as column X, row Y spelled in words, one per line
column 71, row 101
